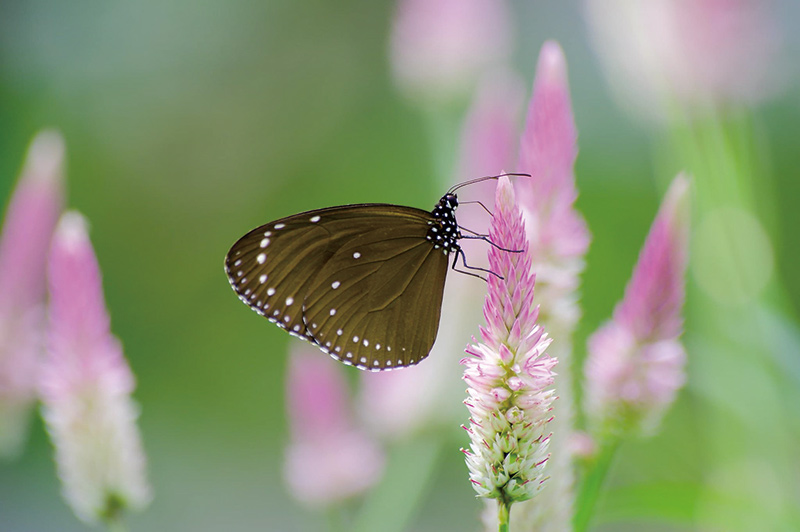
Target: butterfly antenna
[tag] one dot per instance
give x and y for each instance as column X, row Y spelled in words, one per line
column 479, row 203
column 484, row 178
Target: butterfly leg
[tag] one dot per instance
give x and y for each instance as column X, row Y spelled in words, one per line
column 485, row 238
column 460, row 253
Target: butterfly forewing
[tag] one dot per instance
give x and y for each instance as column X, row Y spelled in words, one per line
column 360, row 281
column 376, row 303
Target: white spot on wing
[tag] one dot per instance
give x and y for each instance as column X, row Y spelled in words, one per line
column 356, row 255
column 270, row 292
column 265, row 242
column 335, row 284
column 314, row 219
column 279, row 226
column 289, row 301
column 333, row 312
column 262, row 278
column 262, row 258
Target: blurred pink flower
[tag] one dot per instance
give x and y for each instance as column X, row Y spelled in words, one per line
column 439, row 48
column 582, row 445
column 490, row 132
column 27, row 230
column 86, row 385
column 328, row 459
column 509, row 373
column 691, row 52
column 559, row 240
column 398, row 404
column 635, row 364
column 557, row 233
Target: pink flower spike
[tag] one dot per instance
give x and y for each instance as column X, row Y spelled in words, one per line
column 86, row 386
column 636, row 364
column 328, row 459
column 439, row 48
column 557, row 232
column 508, row 423
column 559, row 240
column 27, row 230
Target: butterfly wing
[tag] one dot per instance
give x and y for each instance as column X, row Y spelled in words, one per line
column 376, row 303
column 305, row 274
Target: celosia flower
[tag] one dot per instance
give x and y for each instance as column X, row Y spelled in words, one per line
column 86, row 386
column 636, row 363
column 509, row 373
column 328, row 459
column 559, row 240
column 439, row 48
column 556, row 231
column 691, row 52
column 27, row 230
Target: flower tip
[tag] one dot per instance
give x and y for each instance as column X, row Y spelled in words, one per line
column 505, row 192
column 72, row 229
column 552, row 66
column 679, row 191
column 45, row 156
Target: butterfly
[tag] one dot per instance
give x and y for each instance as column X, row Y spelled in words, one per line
column 363, row 282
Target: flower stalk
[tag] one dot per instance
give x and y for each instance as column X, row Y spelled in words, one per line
column 509, row 374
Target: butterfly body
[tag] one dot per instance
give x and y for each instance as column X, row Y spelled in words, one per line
column 362, row 282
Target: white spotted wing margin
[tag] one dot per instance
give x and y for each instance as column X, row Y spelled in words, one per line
column 359, row 281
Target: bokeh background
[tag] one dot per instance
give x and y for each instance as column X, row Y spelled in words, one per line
column 187, row 123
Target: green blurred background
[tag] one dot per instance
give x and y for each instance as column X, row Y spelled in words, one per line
column 189, row 122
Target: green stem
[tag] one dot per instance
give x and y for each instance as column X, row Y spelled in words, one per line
column 115, row 524
column 503, row 515
column 589, row 489
column 335, row 519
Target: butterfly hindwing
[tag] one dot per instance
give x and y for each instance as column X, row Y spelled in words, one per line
column 376, row 303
